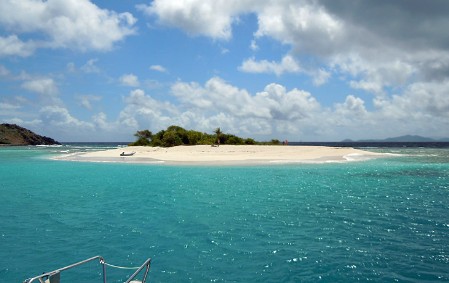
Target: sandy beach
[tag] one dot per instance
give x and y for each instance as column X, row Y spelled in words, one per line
column 225, row 155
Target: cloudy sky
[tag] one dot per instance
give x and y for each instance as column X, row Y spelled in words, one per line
column 303, row 70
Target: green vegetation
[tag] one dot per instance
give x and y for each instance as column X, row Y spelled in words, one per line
column 11, row 134
column 175, row 135
column 143, row 138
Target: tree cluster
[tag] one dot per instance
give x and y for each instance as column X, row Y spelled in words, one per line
column 175, row 135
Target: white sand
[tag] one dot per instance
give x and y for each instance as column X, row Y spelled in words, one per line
column 226, row 154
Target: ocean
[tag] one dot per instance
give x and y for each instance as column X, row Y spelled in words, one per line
column 381, row 220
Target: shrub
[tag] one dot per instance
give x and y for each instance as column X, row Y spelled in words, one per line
column 175, row 135
column 250, row 141
column 171, row 138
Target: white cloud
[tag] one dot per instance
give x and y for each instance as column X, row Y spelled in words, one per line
column 158, row 68
column 268, row 112
column 253, row 46
column 339, row 38
column 352, row 109
column 209, row 18
column 44, row 86
column 420, row 100
column 73, row 24
column 369, row 86
column 273, row 112
column 101, row 122
column 60, row 117
column 296, row 114
column 3, row 71
column 129, row 80
column 287, row 65
column 13, row 46
column 143, row 111
column 320, row 77
column 303, row 24
column 216, row 96
column 89, row 67
column 4, row 106
column 86, row 100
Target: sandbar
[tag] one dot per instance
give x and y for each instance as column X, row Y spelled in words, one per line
column 225, row 155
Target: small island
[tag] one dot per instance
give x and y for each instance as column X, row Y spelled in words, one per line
column 179, row 146
column 14, row 135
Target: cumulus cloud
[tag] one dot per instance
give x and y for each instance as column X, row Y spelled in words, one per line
column 129, row 80
column 294, row 113
column 420, row 100
column 275, row 111
column 13, row 46
column 376, row 46
column 8, row 106
column 253, row 46
column 303, row 24
column 60, row 117
column 209, row 18
column 90, row 67
column 320, row 76
column 353, row 107
column 87, row 100
column 287, row 65
column 142, row 110
column 267, row 112
column 158, row 68
column 73, row 24
column 215, row 96
column 44, row 86
column 101, row 122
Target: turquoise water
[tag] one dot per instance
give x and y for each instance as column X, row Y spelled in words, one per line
column 382, row 220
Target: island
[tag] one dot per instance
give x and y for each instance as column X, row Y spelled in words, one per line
column 225, row 155
column 176, row 145
column 14, row 135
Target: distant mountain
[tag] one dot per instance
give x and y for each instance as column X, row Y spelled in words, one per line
column 11, row 134
column 409, row 138
column 406, row 138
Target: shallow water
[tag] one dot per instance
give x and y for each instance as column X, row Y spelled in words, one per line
column 379, row 220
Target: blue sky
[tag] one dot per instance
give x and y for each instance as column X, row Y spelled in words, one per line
column 302, row 70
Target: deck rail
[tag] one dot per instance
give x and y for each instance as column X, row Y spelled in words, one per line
column 54, row 276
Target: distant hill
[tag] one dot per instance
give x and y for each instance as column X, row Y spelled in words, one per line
column 406, row 138
column 409, row 138
column 11, row 134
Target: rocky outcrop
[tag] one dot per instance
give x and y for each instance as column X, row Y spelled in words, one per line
column 11, row 134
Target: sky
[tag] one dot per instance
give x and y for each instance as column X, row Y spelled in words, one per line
column 302, row 70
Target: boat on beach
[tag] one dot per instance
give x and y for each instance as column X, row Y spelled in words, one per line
column 55, row 275
column 127, row 153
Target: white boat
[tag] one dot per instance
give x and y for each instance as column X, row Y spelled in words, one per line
column 55, row 275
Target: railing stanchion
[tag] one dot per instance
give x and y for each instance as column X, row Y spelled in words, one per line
column 104, row 273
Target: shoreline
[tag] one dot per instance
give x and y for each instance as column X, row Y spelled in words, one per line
column 225, row 155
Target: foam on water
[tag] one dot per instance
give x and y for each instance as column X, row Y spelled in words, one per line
column 378, row 220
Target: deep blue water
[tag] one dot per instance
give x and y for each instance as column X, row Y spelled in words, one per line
column 381, row 220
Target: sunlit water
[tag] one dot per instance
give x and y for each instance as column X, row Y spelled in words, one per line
column 381, row 220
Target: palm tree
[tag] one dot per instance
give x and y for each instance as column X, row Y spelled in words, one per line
column 145, row 134
column 143, row 137
column 218, row 133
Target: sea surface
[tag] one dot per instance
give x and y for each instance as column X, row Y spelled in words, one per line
column 381, row 220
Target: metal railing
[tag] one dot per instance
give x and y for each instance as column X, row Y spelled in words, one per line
column 56, row 273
